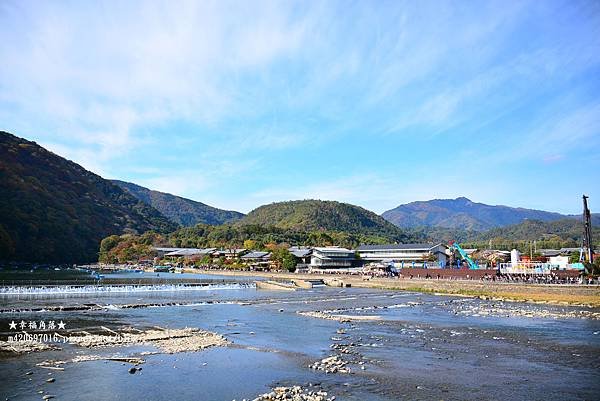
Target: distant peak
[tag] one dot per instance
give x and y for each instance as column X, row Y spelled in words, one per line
column 463, row 199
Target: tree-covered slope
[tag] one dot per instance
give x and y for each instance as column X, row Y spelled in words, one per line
column 314, row 215
column 53, row 210
column 568, row 230
column 185, row 212
column 461, row 213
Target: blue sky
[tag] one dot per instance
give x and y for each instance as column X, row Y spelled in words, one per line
column 237, row 104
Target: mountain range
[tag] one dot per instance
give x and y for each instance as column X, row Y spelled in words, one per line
column 53, row 210
column 462, row 213
column 182, row 211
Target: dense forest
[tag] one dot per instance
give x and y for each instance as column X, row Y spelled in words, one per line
column 258, row 237
column 564, row 233
column 554, row 235
column 295, row 226
column 308, row 222
column 182, row 211
column 316, row 215
column 53, row 210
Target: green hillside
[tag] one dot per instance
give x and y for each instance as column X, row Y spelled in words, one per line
column 315, row 215
column 53, row 210
column 307, row 223
column 567, row 230
column 182, row 211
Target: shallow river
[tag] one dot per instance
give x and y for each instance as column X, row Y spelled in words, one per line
column 421, row 347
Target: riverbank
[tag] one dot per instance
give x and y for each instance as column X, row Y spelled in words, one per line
column 351, row 343
column 566, row 294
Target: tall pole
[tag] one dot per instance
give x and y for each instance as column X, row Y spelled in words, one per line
column 587, row 232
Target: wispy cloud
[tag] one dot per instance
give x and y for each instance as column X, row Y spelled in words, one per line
column 96, row 75
column 228, row 101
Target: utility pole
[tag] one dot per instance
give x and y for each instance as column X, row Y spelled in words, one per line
column 588, row 252
column 530, row 251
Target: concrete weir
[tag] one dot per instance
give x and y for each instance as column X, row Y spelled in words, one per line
column 309, row 283
column 293, row 286
column 336, row 282
column 274, row 285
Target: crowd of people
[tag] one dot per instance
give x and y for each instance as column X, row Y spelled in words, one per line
column 551, row 278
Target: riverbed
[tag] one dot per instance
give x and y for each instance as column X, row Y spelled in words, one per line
column 352, row 343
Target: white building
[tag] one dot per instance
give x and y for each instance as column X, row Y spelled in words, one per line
column 405, row 253
column 562, row 262
column 331, row 257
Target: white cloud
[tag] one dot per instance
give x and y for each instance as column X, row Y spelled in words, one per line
column 96, row 74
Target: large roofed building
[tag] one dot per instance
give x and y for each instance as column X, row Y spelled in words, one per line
column 162, row 251
column 188, row 252
column 332, row 258
column 404, row 253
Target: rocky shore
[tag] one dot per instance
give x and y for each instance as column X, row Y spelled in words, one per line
column 22, row 347
column 503, row 309
column 167, row 340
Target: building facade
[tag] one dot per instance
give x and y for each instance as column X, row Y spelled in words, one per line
column 328, row 258
column 433, row 255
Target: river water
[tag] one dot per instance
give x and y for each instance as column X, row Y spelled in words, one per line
column 421, row 347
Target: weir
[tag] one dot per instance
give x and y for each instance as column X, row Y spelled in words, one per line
column 118, row 288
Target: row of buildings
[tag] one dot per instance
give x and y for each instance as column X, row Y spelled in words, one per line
column 326, row 258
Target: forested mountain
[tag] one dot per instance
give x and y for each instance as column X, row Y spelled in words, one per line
column 568, row 229
column 308, row 223
column 53, row 210
column 461, row 213
column 567, row 232
column 182, row 211
column 314, row 215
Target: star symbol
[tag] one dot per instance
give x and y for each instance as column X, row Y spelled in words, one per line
column 61, row 325
column 13, row 325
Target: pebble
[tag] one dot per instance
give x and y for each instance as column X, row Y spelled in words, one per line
column 332, row 364
column 295, row 393
column 51, row 380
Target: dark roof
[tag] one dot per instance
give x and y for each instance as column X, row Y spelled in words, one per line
column 395, row 247
column 255, row 255
column 549, row 252
column 566, row 250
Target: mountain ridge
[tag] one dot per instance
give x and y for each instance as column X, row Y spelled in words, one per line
column 183, row 211
column 462, row 213
column 53, row 210
column 313, row 215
